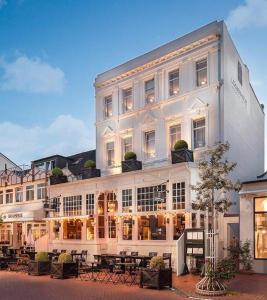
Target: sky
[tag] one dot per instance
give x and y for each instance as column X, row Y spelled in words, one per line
column 52, row 50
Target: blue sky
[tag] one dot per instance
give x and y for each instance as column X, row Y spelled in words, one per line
column 51, row 51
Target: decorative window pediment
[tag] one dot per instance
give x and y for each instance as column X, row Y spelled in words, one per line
column 108, row 132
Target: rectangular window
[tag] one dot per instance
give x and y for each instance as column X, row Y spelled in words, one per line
column 199, row 133
column 41, row 191
column 174, row 82
column 150, row 91
column 19, row 194
column 112, row 227
column 90, row 204
column 127, row 201
column 127, row 145
column 72, row 206
column 110, row 154
column 178, row 225
column 178, row 195
column 239, row 72
column 108, row 106
column 127, row 100
column 101, row 217
column 29, row 192
column 201, row 72
column 72, row 229
column 1, row 197
column 9, row 196
column 152, row 228
column 56, row 206
column 152, row 198
column 175, row 135
column 90, row 229
column 127, row 228
column 150, row 150
column 260, row 238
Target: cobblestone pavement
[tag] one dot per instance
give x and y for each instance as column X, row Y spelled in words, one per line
column 18, row 286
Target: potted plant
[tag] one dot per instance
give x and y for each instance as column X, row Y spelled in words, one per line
column 57, row 177
column 156, row 275
column 90, row 170
column 64, row 267
column 181, row 153
column 39, row 266
column 130, row 163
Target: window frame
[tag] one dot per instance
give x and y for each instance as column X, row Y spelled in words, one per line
column 198, row 70
column 2, row 197
column 193, row 132
column 41, row 187
column 90, row 204
column 169, row 134
column 169, row 80
column 110, row 163
column 178, row 194
column 151, row 155
column 125, row 105
column 147, row 93
column 20, row 190
column 76, row 206
column 148, row 201
column 107, row 114
column 9, row 192
column 123, row 145
column 254, row 226
column 127, row 198
column 30, row 192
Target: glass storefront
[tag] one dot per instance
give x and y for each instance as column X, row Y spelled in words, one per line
column 260, row 216
column 152, row 228
column 72, row 229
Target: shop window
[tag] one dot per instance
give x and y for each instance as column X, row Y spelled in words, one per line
column 90, row 204
column 101, row 217
column 151, row 198
column 112, row 204
column 127, row 228
column 112, row 227
column 90, row 228
column 152, row 228
column 9, row 196
column 72, row 206
column 56, row 229
column 30, row 193
column 19, row 194
column 72, row 229
column 41, row 191
column 178, row 195
column 260, row 239
column 178, row 225
column 5, row 235
column 127, row 201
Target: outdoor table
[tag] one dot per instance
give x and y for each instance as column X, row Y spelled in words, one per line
column 77, row 256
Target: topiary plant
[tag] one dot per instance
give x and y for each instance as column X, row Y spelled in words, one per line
column 129, row 155
column 181, row 144
column 157, row 262
column 65, row 258
column 57, row 172
column 89, row 164
column 42, row 257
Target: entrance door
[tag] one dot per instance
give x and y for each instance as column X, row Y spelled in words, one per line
column 18, row 235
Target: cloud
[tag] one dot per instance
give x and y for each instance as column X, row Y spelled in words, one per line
column 66, row 135
column 253, row 13
column 31, row 75
column 2, row 3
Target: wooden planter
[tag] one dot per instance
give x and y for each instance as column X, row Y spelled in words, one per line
column 64, row 270
column 58, row 179
column 182, row 155
column 90, row 173
column 131, row 165
column 156, row 278
column 39, row 268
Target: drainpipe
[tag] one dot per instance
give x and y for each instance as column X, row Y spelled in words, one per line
column 220, row 82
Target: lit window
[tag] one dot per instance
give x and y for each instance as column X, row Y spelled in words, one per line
column 90, row 204
column 201, row 72
column 19, row 194
column 127, row 228
column 72, row 229
column 175, row 135
column 90, row 229
column 9, row 196
column 127, row 100
column 127, row 201
column 108, row 106
column 150, row 144
column 127, row 145
column 110, row 154
column 112, row 227
column 101, row 216
column 239, row 73
column 72, row 205
column 178, row 195
column 178, row 225
column 174, row 82
column 260, row 239
column 41, row 191
column 152, row 198
column 1, row 197
column 29, row 192
column 199, row 133
column 150, row 91
column 152, row 228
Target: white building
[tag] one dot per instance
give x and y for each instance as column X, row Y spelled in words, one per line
column 6, row 163
column 195, row 88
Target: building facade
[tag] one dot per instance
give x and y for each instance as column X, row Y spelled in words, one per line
column 195, row 88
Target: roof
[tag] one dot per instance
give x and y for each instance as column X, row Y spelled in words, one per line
column 6, row 158
column 211, row 28
column 260, row 178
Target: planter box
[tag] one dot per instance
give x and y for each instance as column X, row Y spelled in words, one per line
column 131, row 165
column 58, row 179
column 39, row 268
column 183, row 155
column 91, row 173
column 64, row 270
column 156, row 278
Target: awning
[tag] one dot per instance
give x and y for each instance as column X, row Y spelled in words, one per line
column 23, row 212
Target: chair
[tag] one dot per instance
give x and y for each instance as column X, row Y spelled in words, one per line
column 84, row 255
column 73, row 251
column 63, row 251
column 169, row 256
column 134, row 253
column 152, row 254
column 55, row 251
column 123, row 253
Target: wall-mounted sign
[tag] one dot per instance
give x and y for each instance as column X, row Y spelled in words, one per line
column 18, row 216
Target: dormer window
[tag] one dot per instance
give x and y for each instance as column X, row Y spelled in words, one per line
column 239, row 73
column 150, row 91
column 127, row 100
column 108, row 107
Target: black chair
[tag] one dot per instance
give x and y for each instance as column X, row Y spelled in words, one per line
column 123, row 253
column 152, row 254
column 55, row 251
column 134, row 253
column 167, row 255
column 63, row 251
column 73, row 251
